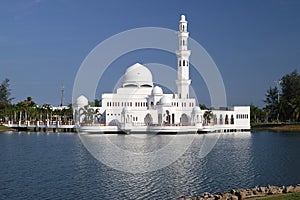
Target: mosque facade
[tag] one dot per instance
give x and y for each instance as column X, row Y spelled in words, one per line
column 140, row 106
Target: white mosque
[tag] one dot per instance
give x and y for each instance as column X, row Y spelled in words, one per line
column 139, row 106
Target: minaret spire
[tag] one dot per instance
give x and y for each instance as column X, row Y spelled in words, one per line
column 183, row 80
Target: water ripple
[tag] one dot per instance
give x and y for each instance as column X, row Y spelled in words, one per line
column 57, row 166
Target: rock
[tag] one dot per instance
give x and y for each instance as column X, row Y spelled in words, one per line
column 233, row 197
column 262, row 189
column 257, row 191
column 249, row 193
column 217, row 196
column 288, row 189
column 297, row 188
column 273, row 190
column 241, row 194
column 232, row 191
column 226, row 196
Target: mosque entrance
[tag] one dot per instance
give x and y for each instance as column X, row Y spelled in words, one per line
column 148, row 120
column 184, row 120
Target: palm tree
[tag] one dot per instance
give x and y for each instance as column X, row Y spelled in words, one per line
column 88, row 113
column 207, row 116
column 47, row 108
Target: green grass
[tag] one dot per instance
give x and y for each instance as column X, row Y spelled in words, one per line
column 277, row 127
column 4, row 128
column 291, row 196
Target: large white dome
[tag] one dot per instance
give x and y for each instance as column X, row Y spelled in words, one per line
column 137, row 76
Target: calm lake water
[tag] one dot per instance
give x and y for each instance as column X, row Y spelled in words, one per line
column 58, row 166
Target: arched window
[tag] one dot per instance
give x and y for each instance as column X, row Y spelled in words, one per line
column 148, row 120
column 226, row 119
column 231, row 120
column 184, row 120
column 215, row 119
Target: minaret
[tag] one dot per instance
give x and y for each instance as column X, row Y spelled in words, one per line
column 183, row 80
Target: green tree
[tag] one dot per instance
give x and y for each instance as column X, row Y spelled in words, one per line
column 207, row 116
column 272, row 103
column 28, row 109
column 203, row 107
column 290, row 84
column 5, row 92
column 88, row 114
column 257, row 115
column 287, row 108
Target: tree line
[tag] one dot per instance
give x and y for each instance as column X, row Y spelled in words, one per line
column 28, row 110
column 282, row 102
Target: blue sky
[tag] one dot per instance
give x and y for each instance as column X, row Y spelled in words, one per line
column 44, row 42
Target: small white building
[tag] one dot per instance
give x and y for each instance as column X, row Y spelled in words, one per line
column 139, row 106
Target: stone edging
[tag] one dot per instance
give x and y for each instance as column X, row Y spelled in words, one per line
column 242, row 194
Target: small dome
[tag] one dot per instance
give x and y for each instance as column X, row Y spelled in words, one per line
column 157, row 91
column 137, row 76
column 82, row 101
column 196, row 109
column 165, row 101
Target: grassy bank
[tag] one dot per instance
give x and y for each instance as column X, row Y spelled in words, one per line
column 291, row 196
column 277, row 127
column 4, row 128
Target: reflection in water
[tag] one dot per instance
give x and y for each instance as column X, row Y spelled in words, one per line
column 137, row 154
column 58, row 166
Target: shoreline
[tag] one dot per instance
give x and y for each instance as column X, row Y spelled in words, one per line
column 254, row 127
column 295, row 127
column 252, row 193
column 5, row 129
